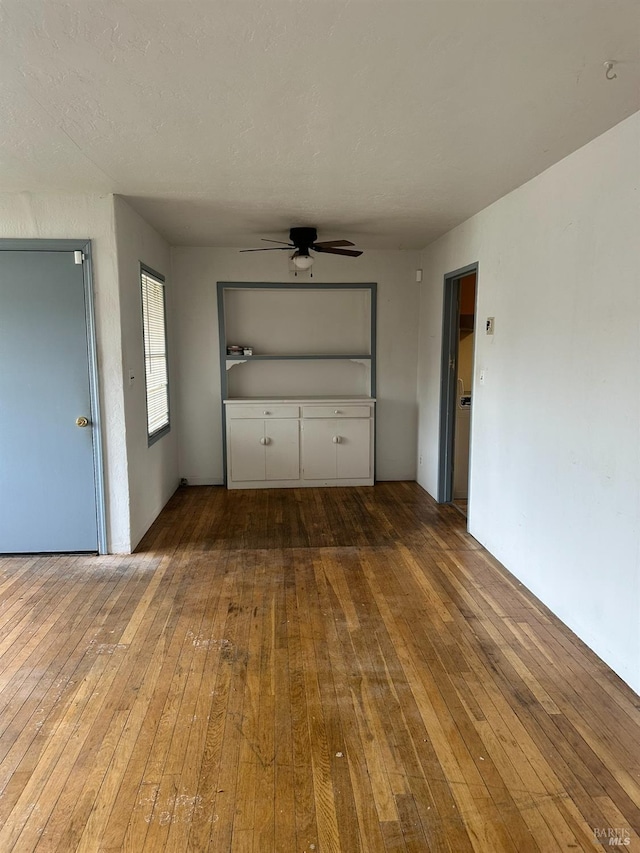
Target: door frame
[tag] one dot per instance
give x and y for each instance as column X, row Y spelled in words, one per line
column 84, row 246
column 448, row 372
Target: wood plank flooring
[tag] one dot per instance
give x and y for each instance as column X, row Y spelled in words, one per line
column 303, row 670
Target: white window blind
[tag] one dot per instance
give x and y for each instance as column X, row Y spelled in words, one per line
column 155, row 353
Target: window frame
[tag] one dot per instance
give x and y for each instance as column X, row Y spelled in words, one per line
column 148, row 271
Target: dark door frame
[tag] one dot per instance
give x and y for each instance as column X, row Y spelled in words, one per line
column 448, row 372
column 83, row 246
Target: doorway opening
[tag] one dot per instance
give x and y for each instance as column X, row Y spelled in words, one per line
column 458, row 338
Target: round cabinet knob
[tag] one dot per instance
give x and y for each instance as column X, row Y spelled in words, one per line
column 82, row 422
column 266, row 413
column 336, row 439
column 263, row 440
column 337, row 412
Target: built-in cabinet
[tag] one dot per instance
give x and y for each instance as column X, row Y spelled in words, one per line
column 299, row 443
column 299, row 402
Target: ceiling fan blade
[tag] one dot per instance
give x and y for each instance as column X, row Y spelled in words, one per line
column 269, row 249
column 325, row 243
column 352, row 253
column 267, row 240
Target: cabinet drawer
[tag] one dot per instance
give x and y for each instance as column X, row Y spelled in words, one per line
column 263, row 411
column 336, row 411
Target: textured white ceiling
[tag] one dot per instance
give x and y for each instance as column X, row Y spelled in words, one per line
column 383, row 121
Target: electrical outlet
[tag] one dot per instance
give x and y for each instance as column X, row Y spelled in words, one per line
column 420, row 459
column 490, row 325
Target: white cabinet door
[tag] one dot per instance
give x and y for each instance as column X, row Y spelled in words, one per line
column 336, row 449
column 264, row 450
column 246, row 447
column 353, row 450
column 318, row 450
column 282, row 449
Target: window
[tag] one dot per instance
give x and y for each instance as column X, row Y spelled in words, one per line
column 156, row 374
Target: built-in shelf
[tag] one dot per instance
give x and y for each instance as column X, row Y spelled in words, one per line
column 299, row 356
column 233, row 360
column 298, row 336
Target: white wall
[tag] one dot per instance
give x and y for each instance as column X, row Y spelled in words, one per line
column 195, row 273
column 152, row 471
column 555, row 453
column 44, row 216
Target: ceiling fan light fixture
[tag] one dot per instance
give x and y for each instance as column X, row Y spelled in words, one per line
column 301, row 241
column 302, row 262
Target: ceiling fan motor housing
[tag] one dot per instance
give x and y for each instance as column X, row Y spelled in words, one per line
column 303, row 239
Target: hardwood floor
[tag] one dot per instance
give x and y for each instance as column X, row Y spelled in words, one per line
column 303, row 670
column 462, row 505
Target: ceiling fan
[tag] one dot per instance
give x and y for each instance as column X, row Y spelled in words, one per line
column 304, row 240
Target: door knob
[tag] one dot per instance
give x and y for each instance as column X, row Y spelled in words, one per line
column 82, row 422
